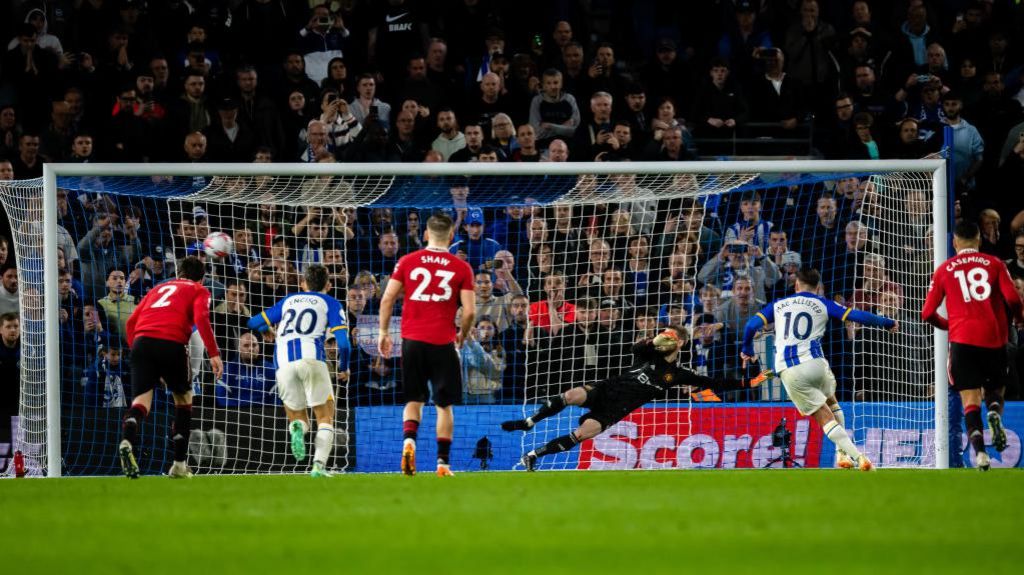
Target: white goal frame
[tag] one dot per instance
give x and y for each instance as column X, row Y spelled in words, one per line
column 940, row 199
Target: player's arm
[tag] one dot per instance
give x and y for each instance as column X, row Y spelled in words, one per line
column 387, row 304
column 842, row 313
column 201, row 317
column 930, row 311
column 468, row 299
column 687, row 377
column 337, row 325
column 266, row 319
column 755, row 324
column 132, row 320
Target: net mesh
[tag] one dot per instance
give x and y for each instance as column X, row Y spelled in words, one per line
column 620, row 256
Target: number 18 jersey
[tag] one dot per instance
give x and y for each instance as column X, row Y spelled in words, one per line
column 433, row 281
column 977, row 289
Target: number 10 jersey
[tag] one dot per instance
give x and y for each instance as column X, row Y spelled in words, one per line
column 800, row 322
column 433, row 281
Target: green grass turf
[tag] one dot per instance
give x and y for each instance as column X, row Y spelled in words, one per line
column 810, row 521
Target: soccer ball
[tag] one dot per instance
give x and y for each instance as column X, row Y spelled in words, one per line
column 218, row 245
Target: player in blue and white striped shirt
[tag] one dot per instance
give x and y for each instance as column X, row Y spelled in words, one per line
column 303, row 322
column 800, row 321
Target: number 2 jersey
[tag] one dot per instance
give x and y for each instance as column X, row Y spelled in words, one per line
column 303, row 321
column 170, row 310
column 433, row 281
column 977, row 289
column 800, row 322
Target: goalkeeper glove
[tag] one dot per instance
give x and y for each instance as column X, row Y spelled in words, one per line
column 665, row 340
column 760, row 378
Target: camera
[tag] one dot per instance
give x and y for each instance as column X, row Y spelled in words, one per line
column 737, row 248
column 923, row 78
column 323, row 21
column 781, row 437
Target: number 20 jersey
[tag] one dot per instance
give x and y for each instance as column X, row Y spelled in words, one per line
column 433, row 281
column 977, row 288
column 303, row 321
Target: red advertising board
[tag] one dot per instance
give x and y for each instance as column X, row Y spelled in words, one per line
column 727, row 437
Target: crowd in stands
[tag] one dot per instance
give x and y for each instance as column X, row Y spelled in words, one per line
column 526, row 81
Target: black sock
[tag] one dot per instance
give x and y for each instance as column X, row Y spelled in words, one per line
column 558, row 444
column 444, row 450
column 550, row 407
column 975, row 432
column 181, row 431
column 132, row 422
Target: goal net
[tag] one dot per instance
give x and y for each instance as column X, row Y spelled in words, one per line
column 574, row 264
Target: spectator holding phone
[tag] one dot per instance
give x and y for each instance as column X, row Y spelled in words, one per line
column 751, row 228
column 342, row 125
column 367, row 106
column 321, row 40
column 597, row 135
column 739, row 259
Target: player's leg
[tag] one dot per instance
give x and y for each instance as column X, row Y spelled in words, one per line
column 446, row 375
column 587, row 429
column 994, row 400
column 146, row 375
column 412, row 414
column 181, row 430
column 320, row 395
column 291, row 390
column 415, row 373
column 975, row 430
column 837, row 434
column 843, row 460
column 551, row 406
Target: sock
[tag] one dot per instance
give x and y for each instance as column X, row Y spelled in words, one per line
column 132, row 422
column 444, row 450
column 837, row 412
column 837, row 435
column 410, row 428
column 996, row 403
column 323, row 442
column 181, row 430
column 551, row 406
column 975, row 431
column 557, row 445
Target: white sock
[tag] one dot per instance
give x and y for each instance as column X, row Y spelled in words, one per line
column 837, row 435
column 837, row 412
column 323, row 442
column 529, row 422
column 409, row 441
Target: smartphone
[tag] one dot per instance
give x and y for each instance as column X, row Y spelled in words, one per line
column 325, row 21
column 374, row 110
column 331, row 98
column 923, row 78
column 737, row 248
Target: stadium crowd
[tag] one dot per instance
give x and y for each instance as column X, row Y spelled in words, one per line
column 526, row 81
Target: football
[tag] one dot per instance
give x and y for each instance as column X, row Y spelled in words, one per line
column 218, row 245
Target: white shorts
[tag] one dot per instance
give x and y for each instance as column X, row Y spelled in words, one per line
column 809, row 385
column 304, row 383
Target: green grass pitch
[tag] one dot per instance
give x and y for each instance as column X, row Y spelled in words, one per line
column 813, row 521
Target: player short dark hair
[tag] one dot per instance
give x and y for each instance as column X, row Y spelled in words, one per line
column 440, row 223
column 809, row 277
column 9, row 316
column 191, row 268
column 681, row 331
column 966, row 230
column 316, row 277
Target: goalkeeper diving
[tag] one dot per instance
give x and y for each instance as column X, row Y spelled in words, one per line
column 652, row 374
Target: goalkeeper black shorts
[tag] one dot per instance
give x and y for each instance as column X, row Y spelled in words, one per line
column 437, row 365
column 973, row 367
column 609, row 402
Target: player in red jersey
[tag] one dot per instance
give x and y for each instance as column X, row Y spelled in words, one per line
column 437, row 283
column 979, row 290
column 158, row 333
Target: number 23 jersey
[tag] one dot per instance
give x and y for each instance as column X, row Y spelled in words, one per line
column 433, row 281
column 977, row 288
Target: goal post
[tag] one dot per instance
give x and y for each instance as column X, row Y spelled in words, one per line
column 373, row 185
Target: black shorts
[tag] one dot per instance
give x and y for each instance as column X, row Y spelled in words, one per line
column 153, row 359
column 609, row 402
column 973, row 367
column 438, row 364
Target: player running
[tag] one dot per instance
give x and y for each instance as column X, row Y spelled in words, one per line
column 303, row 321
column 800, row 363
column 977, row 324
column 158, row 333
column 435, row 282
column 609, row 401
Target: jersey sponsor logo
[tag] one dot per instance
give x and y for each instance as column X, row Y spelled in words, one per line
column 391, row 19
column 406, row 27
column 668, row 377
